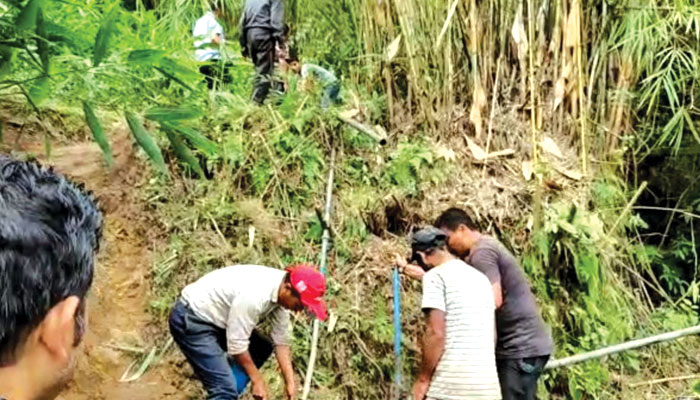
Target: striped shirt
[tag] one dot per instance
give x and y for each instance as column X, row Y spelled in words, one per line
column 467, row 368
column 239, row 299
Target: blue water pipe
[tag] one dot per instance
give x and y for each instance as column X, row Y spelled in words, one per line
column 397, row 328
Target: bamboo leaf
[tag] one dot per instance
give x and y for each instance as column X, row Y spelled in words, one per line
column 146, row 56
column 146, row 142
column 691, row 125
column 42, row 43
column 39, row 90
column 27, row 17
column 6, row 55
column 164, row 114
column 177, row 69
column 98, row 133
column 183, row 153
column 174, row 78
column 104, row 34
column 197, row 139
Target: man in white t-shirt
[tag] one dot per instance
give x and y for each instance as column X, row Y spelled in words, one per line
column 458, row 360
column 209, row 37
column 219, row 322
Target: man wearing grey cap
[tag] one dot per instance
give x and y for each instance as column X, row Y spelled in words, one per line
column 458, row 348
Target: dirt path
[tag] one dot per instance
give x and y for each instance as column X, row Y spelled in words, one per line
column 120, row 327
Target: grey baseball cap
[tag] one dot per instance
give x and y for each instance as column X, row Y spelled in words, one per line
column 428, row 238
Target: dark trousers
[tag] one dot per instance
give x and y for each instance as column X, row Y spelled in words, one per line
column 262, row 52
column 518, row 377
column 215, row 73
column 204, row 344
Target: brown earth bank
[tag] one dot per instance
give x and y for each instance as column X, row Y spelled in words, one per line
column 121, row 332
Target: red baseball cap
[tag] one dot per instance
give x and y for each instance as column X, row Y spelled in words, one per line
column 311, row 286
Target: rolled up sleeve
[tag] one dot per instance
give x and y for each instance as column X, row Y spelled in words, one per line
column 242, row 319
column 281, row 327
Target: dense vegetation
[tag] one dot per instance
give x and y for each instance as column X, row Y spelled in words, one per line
column 613, row 83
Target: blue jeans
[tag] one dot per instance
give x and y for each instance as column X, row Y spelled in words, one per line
column 204, row 346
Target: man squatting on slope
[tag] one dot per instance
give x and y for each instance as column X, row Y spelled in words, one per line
column 524, row 344
column 216, row 324
column 50, row 230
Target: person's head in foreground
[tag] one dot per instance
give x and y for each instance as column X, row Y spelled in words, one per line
column 303, row 287
column 50, row 230
column 462, row 231
column 429, row 248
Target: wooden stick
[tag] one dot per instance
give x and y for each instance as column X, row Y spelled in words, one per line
column 325, row 243
column 664, row 380
column 381, row 139
column 629, row 205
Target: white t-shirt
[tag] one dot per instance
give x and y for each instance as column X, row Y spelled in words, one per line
column 238, row 299
column 467, row 368
column 204, row 31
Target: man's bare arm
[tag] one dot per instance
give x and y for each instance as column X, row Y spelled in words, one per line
column 433, row 344
column 284, row 359
column 246, row 362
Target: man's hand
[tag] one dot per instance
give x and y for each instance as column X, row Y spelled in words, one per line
column 420, row 389
column 410, row 270
column 216, row 40
column 290, row 390
column 259, row 390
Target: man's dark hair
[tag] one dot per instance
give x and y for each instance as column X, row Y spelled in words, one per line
column 215, row 5
column 50, row 230
column 453, row 217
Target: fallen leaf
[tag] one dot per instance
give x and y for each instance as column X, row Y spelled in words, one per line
column 559, row 91
column 572, row 33
column 351, row 113
column 476, row 119
column 477, row 152
column 446, row 153
column 550, row 147
column 518, row 32
column 573, row 175
column 527, row 170
column 393, row 48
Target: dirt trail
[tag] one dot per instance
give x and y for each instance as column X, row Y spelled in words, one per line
column 119, row 322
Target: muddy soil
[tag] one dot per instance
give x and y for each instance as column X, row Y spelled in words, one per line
column 120, row 329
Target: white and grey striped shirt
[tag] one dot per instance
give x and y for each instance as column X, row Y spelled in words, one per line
column 467, row 368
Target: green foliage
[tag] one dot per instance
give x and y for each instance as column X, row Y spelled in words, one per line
column 146, row 142
column 98, row 133
column 406, row 164
column 183, row 153
column 104, row 35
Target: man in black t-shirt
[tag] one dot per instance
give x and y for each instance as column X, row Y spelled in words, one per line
column 523, row 341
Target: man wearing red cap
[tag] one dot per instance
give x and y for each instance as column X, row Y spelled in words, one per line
column 218, row 319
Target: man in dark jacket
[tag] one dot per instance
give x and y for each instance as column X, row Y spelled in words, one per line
column 262, row 28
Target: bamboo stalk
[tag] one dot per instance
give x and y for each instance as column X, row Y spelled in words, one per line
column 629, row 205
column 618, row 348
column 325, row 243
column 583, row 110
